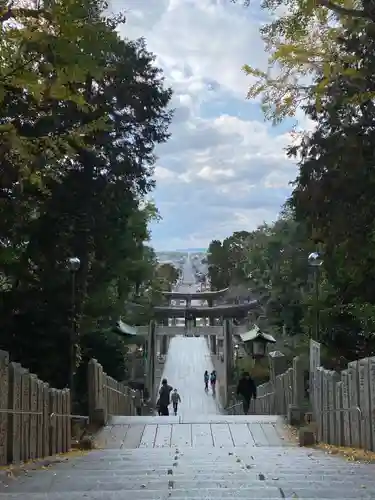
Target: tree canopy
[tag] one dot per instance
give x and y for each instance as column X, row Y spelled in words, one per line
column 81, row 112
column 324, row 54
column 303, row 40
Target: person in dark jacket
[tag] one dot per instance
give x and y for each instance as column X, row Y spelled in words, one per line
column 206, row 380
column 164, row 397
column 246, row 388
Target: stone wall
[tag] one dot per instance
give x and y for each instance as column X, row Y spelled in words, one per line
column 107, row 397
column 342, row 404
column 34, row 418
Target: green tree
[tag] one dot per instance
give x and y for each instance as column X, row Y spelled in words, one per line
column 48, row 50
column 333, row 193
column 89, row 204
column 218, row 265
column 303, row 42
column 168, row 275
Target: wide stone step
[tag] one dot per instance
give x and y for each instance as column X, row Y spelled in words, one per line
column 187, row 418
column 201, row 494
column 301, row 474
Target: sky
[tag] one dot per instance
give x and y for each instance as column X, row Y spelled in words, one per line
column 224, row 169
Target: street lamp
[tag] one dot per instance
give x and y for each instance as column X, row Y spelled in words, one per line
column 73, row 265
column 315, row 260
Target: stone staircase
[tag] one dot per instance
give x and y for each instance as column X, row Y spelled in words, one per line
column 209, row 457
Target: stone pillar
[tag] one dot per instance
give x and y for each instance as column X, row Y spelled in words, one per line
column 157, row 345
column 354, row 402
column 4, row 384
column 314, row 363
column 297, row 383
column 298, row 392
column 14, row 419
column 372, row 401
column 345, row 404
column 164, row 344
column 213, row 344
column 151, row 358
column 277, row 365
column 365, row 403
column 298, row 387
column 228, row 356
column 339, row 419
column 333, row 379
column 96, row 393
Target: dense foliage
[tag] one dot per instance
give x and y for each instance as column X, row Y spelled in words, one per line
column 271, row 265
column 81, row 111
column 302, row 39
column 330, row 209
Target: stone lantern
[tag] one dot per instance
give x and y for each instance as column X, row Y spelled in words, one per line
column 256, row 342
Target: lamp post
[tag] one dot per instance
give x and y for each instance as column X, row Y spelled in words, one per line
column 315, row 261
column 73, row 265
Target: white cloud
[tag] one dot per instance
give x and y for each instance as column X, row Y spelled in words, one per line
column 211, row 174
column 163, row 174
column 223, row 169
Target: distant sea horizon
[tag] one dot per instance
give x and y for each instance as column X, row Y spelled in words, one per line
column 183, row 250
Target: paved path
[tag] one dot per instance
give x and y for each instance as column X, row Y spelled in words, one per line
column 187, row 359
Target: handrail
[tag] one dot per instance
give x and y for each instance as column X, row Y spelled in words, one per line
column 229, row 410
column 51, row 415
column 232, row 406
column 353, row 408
column 265, row 395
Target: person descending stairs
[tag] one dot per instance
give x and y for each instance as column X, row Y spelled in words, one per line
column 176, row 399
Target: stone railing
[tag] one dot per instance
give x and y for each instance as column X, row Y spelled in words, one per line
column 341, row 404
column 34, row 418
column 285, row 393
column 344, row 405
column 107, row 397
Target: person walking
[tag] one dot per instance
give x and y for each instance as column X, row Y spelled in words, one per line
column 246, row 388
column 213, row 380
column 137, row 401
column 164, row 397
column 158, row 407
column 175, row 400
column 206, row 380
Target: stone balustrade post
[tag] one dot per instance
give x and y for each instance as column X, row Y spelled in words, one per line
column 96, row 393
column 4, row 386
column 277, row 366
column 296, row 408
